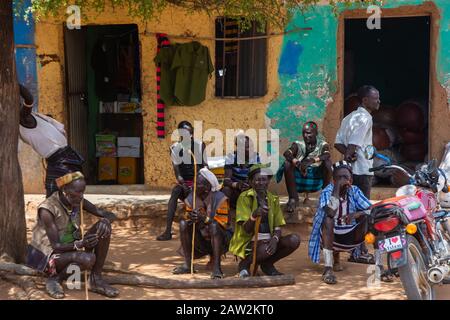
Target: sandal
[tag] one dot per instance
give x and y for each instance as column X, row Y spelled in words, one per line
column 164, row 236
column 217, row 275
column 54, row 288
column 386, row 276
column 328, row 277
column 291, row 205
column 100, row 286
column 270, row 270
column 365, row 258
column 182, row 270
column 244, row 273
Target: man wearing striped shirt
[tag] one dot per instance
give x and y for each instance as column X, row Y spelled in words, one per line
column 340, row 223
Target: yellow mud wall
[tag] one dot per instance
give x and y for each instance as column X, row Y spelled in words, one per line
column 214, row 112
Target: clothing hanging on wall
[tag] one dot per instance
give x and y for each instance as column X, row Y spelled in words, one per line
column 160, row 106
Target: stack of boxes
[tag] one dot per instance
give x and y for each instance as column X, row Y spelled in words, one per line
column 117, row 158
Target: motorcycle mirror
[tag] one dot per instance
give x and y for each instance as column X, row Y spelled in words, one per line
column 431, row 165
column 369, row 152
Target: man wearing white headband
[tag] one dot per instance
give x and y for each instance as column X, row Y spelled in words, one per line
column 212, row 230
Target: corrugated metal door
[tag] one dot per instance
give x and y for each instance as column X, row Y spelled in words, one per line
column 77, row 107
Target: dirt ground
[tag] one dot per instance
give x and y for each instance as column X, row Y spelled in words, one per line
column 136, row 249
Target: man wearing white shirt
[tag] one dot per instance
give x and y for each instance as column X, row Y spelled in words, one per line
column 352, row 138
column 355, row 134
column 48, row 138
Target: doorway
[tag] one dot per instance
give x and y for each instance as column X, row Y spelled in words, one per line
column 396, row 60
column 104, row 110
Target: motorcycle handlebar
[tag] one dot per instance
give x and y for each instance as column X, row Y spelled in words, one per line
column 391, row 167
column 377, row 168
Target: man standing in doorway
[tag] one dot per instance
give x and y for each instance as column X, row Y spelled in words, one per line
column 355, row 134
column 352, row 138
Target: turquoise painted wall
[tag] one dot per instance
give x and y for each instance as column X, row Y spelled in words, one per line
column 308, row 66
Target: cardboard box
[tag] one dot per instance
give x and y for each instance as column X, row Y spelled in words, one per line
column 107, row 169
column 129, row 147
column 127, row 171
column 105, row 145
column 128, row 107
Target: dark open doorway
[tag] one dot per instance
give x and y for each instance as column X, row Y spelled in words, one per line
column 395, row 59
column 104, row 102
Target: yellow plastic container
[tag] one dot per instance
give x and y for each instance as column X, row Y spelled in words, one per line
column 127, row 170
column 107, row 169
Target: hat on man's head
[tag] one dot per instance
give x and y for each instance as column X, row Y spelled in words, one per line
column 260, row 168
column 68, row 178
column 342, row 164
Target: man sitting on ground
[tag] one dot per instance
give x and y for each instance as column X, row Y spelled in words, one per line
column 341, row 221
column 57, row 242
column 212, row 229
column 255, row 204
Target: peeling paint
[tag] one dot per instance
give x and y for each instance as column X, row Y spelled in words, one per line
column 45, row 59
column 306, row 94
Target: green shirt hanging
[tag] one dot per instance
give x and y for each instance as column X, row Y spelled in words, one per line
column 193, row 67
column 167, row 75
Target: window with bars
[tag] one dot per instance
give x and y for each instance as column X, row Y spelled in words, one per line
column 241, row 65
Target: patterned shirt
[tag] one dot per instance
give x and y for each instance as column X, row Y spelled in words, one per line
column 356, row 202
column 320, row 149
column 240, row 171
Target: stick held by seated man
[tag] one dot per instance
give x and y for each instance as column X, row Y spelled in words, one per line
column 184, row 171
column 258, row 203
column 213, row 230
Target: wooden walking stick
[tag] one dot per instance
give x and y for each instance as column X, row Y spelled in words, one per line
column 193, row 208
column 253, row 267
column 82, row 237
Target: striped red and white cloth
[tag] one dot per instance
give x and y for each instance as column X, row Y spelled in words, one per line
column 163, row 41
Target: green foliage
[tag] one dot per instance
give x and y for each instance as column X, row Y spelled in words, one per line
column 273, row 12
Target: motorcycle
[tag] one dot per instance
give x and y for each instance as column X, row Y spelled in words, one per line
column 412, row 229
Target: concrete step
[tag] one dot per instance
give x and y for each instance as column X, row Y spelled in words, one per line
column 153, row 204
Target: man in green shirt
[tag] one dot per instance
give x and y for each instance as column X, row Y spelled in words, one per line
column 258, row 204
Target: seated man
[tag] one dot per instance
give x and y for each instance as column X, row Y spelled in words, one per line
column 307, row 167
column 237, row 168
column 212, row 229
column 57, row 242
column 184, row 171
column 341, row 221
column 259, row 204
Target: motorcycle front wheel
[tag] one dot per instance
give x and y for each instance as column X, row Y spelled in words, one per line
column 413, row 274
